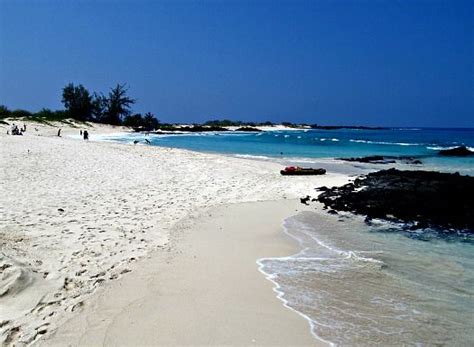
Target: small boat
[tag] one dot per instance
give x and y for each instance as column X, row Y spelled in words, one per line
column 301, row 171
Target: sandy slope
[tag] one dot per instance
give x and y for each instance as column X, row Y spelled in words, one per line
column 74, row 215
column 206, row 291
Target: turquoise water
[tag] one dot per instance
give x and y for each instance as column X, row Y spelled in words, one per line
column 376, row 285
column 307, row 144
column 358, row 284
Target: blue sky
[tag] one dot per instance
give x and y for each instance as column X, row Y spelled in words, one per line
column 394, row 63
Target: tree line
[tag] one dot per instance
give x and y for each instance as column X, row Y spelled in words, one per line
column 229, row 123
column 81, row 105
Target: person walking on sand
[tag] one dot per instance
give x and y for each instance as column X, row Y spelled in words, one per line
column 86, row 135
column 80, row 132
column 59, row 132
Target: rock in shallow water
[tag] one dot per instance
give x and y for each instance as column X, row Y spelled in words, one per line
column 461, row 151
column 384, row 159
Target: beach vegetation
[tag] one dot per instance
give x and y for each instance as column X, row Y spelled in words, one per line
column 148, row 122
column 115, row 108
column 77, row 101
column 134, row 120
column 223, row 123
column 168, row 127
column 82, row 106
column 4, row 111
column 46, row 116
column 118, row 105
column 230, row 123
column 99, row 107
column 19, row 113
column 50, row 115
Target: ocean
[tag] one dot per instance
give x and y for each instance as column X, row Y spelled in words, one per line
column 302, row 146
column 376, row 285
column 360, row 284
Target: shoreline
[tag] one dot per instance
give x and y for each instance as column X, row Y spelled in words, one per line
column 349, row 164
column 88, row 220
column 196, row 290
column 78, row 219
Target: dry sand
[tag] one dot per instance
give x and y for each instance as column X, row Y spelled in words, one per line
column 76, row 215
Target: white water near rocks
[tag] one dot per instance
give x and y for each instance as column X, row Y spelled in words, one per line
column 376, row 285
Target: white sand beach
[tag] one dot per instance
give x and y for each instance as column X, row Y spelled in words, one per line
column 80, row 218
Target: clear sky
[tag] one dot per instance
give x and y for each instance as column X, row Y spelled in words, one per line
column 394, row 63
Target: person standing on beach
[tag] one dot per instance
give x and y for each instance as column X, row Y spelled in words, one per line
column 86, row 135
column 59, row 132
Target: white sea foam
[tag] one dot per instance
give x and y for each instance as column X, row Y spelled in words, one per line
column 441, row 148
column 356, row 284
column 333, row 254
column 279, row 290
column 325, row 139
column 386, row 143
column 409, row 129
column 249, row 156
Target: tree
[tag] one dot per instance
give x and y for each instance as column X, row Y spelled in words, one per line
column 77, row 101
column 223, row 123
column 150, row 122
column 99, row 107
column 4, row 111
column 135, row 120
column 45, row 113
column 20, row 113
column 118, row 105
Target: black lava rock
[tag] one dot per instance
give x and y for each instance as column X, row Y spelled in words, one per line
column 424, row 198
column 305, row 200
column 384, row 159
column 460, row 151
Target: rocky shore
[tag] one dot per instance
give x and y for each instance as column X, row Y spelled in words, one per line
column 461, row 151
column 384, row 159
column 422, row 198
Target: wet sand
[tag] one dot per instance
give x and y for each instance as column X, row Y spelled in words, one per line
column 206, row 290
